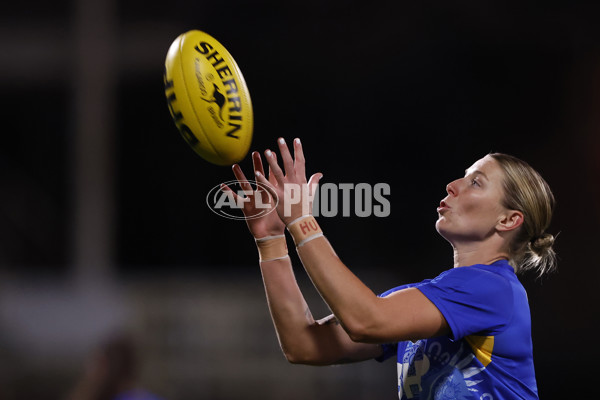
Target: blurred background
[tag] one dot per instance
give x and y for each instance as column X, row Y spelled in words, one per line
column 103, row 223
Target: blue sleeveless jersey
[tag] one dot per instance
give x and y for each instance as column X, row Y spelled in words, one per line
column 487, row 356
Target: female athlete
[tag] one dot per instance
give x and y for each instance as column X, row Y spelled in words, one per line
column 466, row 334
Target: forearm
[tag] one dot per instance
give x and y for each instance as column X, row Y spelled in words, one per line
column 352, row 302
column 302, row 339
column 289, row 310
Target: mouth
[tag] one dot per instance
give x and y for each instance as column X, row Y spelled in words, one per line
column 443, row 207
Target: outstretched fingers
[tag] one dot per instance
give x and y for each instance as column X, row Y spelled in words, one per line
column 257, row 162
column 239, row 175
column 286, row 157
column 260, row 178
column 274, row 168
column 258, row 167
column 230, row 193
column 272, row 178
column 299, row 162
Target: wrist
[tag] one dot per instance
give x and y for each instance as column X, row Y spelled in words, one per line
column 272, row 247
column 304, row 229
column 263, row 232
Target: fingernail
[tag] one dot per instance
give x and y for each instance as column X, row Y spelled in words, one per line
column 281, row 141
column 257, row 173
column 297, row 140
column 268, row 153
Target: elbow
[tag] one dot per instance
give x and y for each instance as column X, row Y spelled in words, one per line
column 297, row 356
column 301, row 359
column 304, row 356
column 293, row 358
column 359, row 335
column 362, row 332
column 364, row 324
column 374, row 333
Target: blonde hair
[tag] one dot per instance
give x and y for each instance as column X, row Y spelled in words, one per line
column 526, row 191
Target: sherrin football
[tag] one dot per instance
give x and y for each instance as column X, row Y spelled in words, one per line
column 208, row 98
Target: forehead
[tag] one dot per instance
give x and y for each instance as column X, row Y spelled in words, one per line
column 487, row 165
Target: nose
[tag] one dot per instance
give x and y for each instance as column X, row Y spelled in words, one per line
column 452, row 188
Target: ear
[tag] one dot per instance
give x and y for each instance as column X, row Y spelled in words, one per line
column 509, row 221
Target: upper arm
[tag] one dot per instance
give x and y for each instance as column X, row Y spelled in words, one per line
column 330, row 344
column 403, row 315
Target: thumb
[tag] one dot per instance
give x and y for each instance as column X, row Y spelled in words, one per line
column 313, row 182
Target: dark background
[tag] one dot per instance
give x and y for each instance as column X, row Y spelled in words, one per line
column 404, row 93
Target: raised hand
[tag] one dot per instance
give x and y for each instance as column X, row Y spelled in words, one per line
column 294, row 194
column 262, row 222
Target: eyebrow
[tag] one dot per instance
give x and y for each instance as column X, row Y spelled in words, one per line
column 476, row 172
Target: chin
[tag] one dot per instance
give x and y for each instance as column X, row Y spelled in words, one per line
column 439, row 227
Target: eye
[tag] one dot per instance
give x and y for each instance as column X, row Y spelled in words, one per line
column 474, row 182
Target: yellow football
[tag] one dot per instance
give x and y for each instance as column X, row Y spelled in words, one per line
column 208, row 98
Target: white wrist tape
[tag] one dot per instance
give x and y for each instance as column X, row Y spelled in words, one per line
column 272, row 248
column 304, row 229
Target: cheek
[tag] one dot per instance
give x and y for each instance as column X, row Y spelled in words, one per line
column 481, row 209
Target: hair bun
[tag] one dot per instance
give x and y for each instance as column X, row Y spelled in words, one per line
column 542, row 243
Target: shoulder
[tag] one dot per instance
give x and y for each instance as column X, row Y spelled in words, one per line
column 478, row 277
column 477, row 298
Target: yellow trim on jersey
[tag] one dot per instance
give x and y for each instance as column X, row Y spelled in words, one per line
column 482, row 347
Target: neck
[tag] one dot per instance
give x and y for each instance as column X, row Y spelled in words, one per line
column 477, row 253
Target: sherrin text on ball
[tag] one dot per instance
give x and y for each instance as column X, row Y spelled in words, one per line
column 208, row 98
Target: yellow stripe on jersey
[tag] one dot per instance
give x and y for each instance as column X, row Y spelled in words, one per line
column 482, row 347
